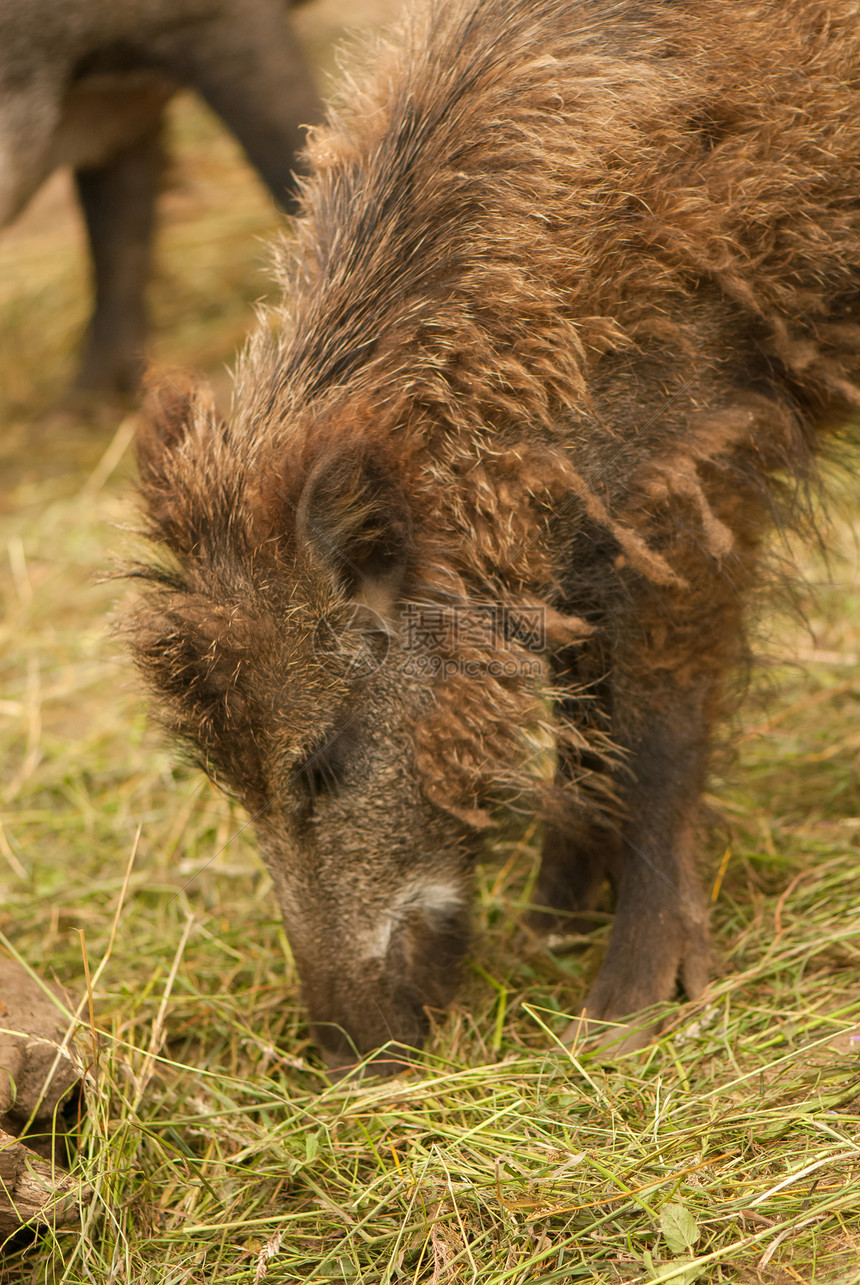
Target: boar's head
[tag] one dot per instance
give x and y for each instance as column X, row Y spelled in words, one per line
column 269, row 631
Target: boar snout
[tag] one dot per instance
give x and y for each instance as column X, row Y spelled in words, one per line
column 374, row 986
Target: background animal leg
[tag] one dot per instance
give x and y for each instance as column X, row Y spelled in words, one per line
column 118, row 200
column 251, row 71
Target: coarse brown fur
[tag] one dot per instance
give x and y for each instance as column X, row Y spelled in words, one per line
column 575, row 284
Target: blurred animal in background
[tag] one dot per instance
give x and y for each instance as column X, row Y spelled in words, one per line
column 85, row 83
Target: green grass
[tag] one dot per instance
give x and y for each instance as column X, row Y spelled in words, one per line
column 216, row 1149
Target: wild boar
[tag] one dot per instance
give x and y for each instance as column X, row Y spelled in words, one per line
column 575, row 287
column 85, row 83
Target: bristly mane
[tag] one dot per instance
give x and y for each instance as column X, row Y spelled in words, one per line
column 509, row 216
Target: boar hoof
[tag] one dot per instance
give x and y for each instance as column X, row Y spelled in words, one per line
column 615, row 1017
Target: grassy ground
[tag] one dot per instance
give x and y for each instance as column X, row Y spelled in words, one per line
column 216, row 1149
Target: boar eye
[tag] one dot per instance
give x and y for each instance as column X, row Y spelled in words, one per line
column 321, row 769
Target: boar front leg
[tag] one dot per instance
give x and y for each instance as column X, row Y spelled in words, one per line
column 578, row 855
column 118, row 201
column 581, row 849
column 659, row 937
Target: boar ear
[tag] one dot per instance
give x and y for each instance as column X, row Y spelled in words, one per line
column 165, row 417
column 354, row 514
column 172, row 407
